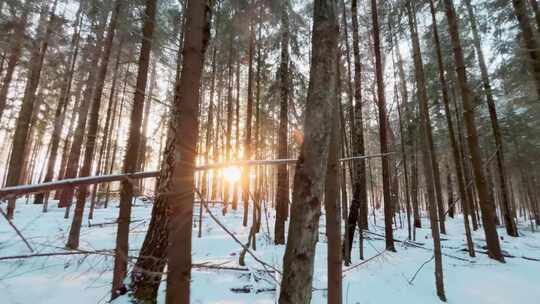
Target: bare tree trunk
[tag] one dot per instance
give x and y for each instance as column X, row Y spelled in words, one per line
column 358, row 212
column 296, row 284
column 487, row 207
column 383, row 132
column 75, row 229
column 511, row 228
column 66, row 196
column 451, row 133
column 130, row 159
column 210, row 124
column 282, row 190
column 427, row 151
column 228, row 144
column 107, row 131
column 19, row 148
column 249, row 118
column 61, row 107
column 333, row 212
column 184, row 126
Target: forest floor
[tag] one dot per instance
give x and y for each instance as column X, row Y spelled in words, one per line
column 384, row 278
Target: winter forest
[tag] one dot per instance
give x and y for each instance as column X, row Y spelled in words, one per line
column 269, row 151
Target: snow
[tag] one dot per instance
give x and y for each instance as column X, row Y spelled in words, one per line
column 383, row 279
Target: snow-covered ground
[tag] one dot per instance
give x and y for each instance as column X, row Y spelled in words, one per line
column 383, row 279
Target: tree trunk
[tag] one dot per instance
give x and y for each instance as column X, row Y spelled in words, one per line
column 511, row 228
column 19, row 148
column 358, row 212
column 249, row 118
column 66, row 196
column 184, row 126
column 61, row 107
column 282, row 190
column 333, row 212
column 487, row 207
column 130, row 159
column 451, row 133
column 383, row 132
column 75, row 229
column 296, row 284
column 427, row 151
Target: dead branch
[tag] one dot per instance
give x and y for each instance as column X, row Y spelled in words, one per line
column 263, row 263
column 420, row 268
column 16, row 230
column 363, row 262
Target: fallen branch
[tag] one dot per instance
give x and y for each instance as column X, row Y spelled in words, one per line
column 110, row 252
column 420, row 268
column 111, row 223
column 363, row 262
column 14, row 191
column 263, row 263
column 48, row 254
column 416, row 245
column 16, row 230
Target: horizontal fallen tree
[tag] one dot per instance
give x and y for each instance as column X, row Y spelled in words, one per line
column 14, row 191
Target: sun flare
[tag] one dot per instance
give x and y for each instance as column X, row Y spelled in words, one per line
column 232, row 174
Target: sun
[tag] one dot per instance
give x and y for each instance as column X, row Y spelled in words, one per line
column 232, row 174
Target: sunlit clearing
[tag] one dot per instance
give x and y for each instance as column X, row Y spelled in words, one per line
column 232, row 174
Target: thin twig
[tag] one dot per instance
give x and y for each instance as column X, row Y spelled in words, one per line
column 418, row 270
column 16, row 230
column 263, row 263
column 363, row 262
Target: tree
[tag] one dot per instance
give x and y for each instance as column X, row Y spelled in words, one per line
column 383, row 130
column 75, row 229
column 184, row 129
column 61, row 107
column 282, row 190
column 358, row 212
column 458, row 166
column 487, row 206
column 511, row 228
column 131, row 157
column 311, row 167
column 427, row 149
column 20, row 138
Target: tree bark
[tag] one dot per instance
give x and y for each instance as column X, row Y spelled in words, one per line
column 296, row 284
column 184, row 128
column 333, row 213
column 282, row 190
column 358, row 212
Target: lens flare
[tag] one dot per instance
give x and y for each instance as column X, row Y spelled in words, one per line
column 232, row 174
